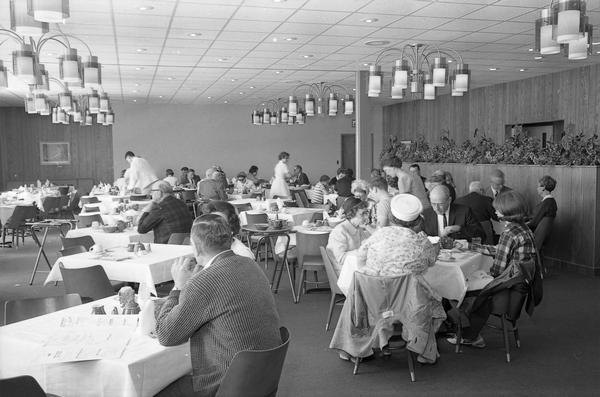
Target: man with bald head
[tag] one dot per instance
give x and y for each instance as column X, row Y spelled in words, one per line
column 165, row 215
column 497, row 183
column 445, row 218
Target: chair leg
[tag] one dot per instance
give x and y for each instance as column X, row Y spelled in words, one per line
column 516, row 333
column 316, row 276
column 411, row 364
column 301, row 284
column 458, row 335
column 505, row 332
column 356, row 364
column 331, row 306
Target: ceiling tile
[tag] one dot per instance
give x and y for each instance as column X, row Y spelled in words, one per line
column 263, row 14
column 378, row 20
column 509, row 27
column 472, row 25
column 446, row 10
column 335, row 5
column 216, row 11
column 301, row 28
column 326, row 17
column 198, row 24
column 411, row 22
column 483, row 37
column 239, row 25
column 498, row 13
column 395, row 7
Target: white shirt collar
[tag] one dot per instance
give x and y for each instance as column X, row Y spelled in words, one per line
column 548, row 196
column 210, row 262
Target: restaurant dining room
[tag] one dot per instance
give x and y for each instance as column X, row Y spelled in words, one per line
column 258, row 198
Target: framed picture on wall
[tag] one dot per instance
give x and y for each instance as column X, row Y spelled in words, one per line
column 55, row 153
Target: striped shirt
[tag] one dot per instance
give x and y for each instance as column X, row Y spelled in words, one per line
column 318, row 192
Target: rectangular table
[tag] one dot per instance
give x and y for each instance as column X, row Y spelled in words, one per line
column 294, row 215
column 153, row 268
column 112, row 240
column 451, row 280
column 143, row 370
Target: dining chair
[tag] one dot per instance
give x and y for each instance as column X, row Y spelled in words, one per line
column 89, row 200
column 189, row 199
column 501, row 309
column 74, row 250
column 23, row 309
column 91, row 283
column 309, row 257
column 317, row 216
column 16, row 224
column 541, row 234
column 253, row 219
column 88, row 209
column 85, row 241
column 87, row 220
column 65, row 210
column 303, row 198
column 337, row 296
column 51, row 206
column 255, row 373
column 242, row 207
column 178, row 238
column 22, row 386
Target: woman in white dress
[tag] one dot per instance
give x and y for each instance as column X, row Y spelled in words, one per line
column 279, row 187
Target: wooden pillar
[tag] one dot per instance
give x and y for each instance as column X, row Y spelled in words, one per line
column 364, row 127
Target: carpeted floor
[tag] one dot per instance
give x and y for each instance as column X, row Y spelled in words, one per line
column 560, row 353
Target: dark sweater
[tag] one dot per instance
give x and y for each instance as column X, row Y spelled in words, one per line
column 169, row 216
column 222, row 310
column 545, row 208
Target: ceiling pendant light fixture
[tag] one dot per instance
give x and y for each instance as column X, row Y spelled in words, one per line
column 323, row 98
column 3, row 75
column 25, row 64
column 24, row 24
column 51, row 11
column 69, row 67
column 421, row 70
column 564, row 27
column 274, row 112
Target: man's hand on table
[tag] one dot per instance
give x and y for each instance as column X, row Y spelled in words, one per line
column 450, row 229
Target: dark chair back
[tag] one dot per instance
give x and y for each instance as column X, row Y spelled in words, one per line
column 303, row 198
column 89, row 200
column 21, row 386
column 332, row 276
column 317, row 216
column 489, row 232
column 188, row 195
column 21, row 214
column 85, row 241
column 255, row 373
column 178, row 238
column 186, row 241
column 253, row 219
column 23, row 309
column 87, row 209
column 63, row 190
column 77, row 249
column 309, row 244
column 86, row 220
column 51, row 205
column 138, row 197
column 242, row 207
column 91, row 283
column 542, row 232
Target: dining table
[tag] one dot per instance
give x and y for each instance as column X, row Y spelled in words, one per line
column 111, row 240
column 451, row 276
column 143, row 369
column 147, row 267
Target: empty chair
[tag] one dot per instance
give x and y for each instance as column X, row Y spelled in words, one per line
column 65, row 210
column 22, row 309
column 255, row 373
column 91, row 283
column 89, row 200
column 308, row 246
column 303, row 198
column 242, row 207
column 17, row 222
column 77, row 249
column 63, row 190
column 88, row 209
column 317, row 216
column 22, row 386
column 254, row 218
column 337, row 296
column 85, row 241
column 178, row 238
column 189, row 198
column 52, row 207
column 87, row 220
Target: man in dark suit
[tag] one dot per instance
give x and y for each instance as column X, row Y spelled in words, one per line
column 497, row 184
column 482, row 208
column 450, row 219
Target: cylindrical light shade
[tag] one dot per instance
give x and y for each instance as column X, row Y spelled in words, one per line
column 428, row 88
column 284, row 115
column 69, row 67
column 416, row 82
column 43, row 81
column 309, row 105
column 39, row 102
column 55, row 115
column 93, row 102
column 266, row 116
column 400, row 75
column 300, row 118
column 256, row 119
column 104, row 103
column 375, row 80
column 348, row 105
column 30, row 104
column 74, row 107
column 333, row 105
column 77, row 117
column 92, row 73
column 273, row 119
column 291, row 120
column 23, row 23
column 578, row 49
column 569, row 20
column 51, row 11
column 110, row 118
column 293, row 105
column 65, row 100
column 25, row 64
column 397, row 92
column 3, row 75
column 46, row 109
column 461, row 77
column 544, row 31
column 101, row 118
column 439, row 71
column 87, row 120
column 61, row 116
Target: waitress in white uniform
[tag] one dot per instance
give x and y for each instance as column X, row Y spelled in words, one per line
column 279, row 187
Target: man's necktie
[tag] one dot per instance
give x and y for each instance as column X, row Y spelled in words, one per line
column 445, row 220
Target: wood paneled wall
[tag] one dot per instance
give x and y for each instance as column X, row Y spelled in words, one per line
column 572, row 96
column 575, row 240
column 20, row 136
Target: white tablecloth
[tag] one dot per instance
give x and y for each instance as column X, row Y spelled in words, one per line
column 150, row 269
column 294, row 215
column 449, row 279
column 111, row 240
column 143, row 370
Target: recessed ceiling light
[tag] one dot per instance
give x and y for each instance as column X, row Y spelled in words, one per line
column 291, row 38
column 242, row 92
column 135, row 100
column 170, row 78
column 369, row 20
column 278, row 71
column 222, row 59
column 522, row 70
column 274, row 39
column 376, row 43
column 493, row 69
column 139, row 68
column 538, row 57
column 366, row 64
column 450, row 61
column 50, row 54
column 142, row 50
column 597, row 52
column 251, row 86
column 279, row 1
column 233, row 80
column 209, row 97
column 145, row 8
column 135, row 91
column 530, row 50
column 354, row 89
column 160, row 96
column 308, row 56
column 137, row 84
column 194, row 34
column 225, row 101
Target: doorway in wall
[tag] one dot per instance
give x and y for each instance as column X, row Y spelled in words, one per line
column 349, row 151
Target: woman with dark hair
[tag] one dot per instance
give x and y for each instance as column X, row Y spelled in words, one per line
column 227, row 210
column 349, row 235
column 515, row 249
column 253, row 174
column 547, row 207
column 279, row 187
